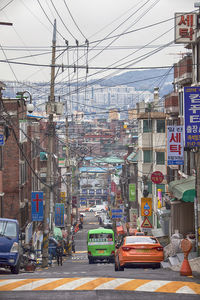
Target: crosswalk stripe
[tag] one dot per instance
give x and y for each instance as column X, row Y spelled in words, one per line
column 99, row 283
column 152, row 285
column 93, row 284
column 174, row 286
column 111, row 285
column 33, row 285
column 74, row 284
column 17, row 283
column 57, row 282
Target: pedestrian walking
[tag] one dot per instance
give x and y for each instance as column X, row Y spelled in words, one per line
column 59, row 253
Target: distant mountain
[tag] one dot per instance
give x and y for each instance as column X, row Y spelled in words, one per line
column 144, row 80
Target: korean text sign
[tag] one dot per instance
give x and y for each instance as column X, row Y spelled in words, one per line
column 185, row 24
column 175, row 147
column 59, row 214
column 37, row 206
column 192, row 116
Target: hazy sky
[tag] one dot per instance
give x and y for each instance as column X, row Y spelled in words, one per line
column 29, row 39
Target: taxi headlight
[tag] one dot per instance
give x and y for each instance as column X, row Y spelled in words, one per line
column 15, row 247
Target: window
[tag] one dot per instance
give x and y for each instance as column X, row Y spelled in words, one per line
column 160, row 158
column 160, row 126
column 147, row 125
column 148, row 156
column 149, row 184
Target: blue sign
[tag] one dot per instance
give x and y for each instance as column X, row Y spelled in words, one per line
column 98, row 192
column 146, row 206
column 116, row 216
column 192, row 116
column 84, row 191
column 91, row 192
column 116, row 210
column 37, row 206
column 1, row 139
column 59, row 214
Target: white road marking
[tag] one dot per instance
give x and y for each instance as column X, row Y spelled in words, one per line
column 74, row 284
column 112, row 284
column 35, row 284
column 152, row 285
column 185, row 290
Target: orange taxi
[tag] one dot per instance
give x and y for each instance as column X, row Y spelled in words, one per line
column 138, row 250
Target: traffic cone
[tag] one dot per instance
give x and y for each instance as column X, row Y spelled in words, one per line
column 185, row 268
column 186, row 246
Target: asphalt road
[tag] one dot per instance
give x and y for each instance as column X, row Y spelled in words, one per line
column 76, row 279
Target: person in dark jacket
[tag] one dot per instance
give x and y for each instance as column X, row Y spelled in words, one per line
column 59, row 253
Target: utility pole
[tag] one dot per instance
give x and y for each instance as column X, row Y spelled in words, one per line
column 68, row 174
column 48, row 210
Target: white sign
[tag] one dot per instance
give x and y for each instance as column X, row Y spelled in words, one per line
column 185, row 28
column 175, row 147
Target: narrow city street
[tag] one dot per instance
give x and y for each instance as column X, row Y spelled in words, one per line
column 76, row 279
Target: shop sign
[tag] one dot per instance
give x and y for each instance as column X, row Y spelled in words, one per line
column 175, row 147
column 192, row 116
column 132, row 193
column 157, row 177
column 185, row 28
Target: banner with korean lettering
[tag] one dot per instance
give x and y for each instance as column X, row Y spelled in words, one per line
column 132, row 192
column 175, row 145
column 192, row 116
column 59, row 214
column 185, row 28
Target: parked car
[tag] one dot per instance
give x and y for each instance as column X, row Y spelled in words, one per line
column 138, row 250
column 97, row 208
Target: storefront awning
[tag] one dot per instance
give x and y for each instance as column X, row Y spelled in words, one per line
column 183, row 189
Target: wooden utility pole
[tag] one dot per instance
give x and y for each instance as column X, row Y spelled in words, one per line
column 48, row 210
column 68, row 175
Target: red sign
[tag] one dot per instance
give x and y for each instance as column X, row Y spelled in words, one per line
column 146, row 223
column 157, row 177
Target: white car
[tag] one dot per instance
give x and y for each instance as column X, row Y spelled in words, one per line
column 97, row 208
column 83, row 214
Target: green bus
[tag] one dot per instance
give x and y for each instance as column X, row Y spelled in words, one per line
column 101, row 245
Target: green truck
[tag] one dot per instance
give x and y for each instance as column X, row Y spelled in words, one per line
column 101, row 245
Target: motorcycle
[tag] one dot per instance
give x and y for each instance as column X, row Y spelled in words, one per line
column 28, row 260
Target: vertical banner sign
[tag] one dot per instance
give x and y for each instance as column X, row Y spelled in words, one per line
column 37, row 206
column 59, row 214
column 132, row 192
column 175, row 147
column 192, row 116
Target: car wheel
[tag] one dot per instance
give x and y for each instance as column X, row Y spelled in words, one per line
column 15, row 269
column 91, row 261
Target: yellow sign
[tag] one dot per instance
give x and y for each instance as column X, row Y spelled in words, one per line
column 146, row 207
column 62, row 194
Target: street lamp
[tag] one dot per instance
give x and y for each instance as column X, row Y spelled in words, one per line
column 30, row 106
